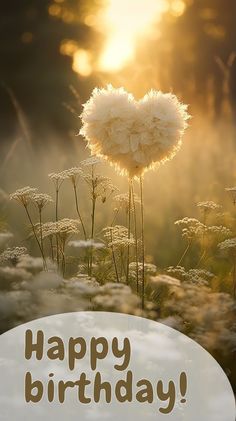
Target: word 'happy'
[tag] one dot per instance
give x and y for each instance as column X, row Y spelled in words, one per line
column 93, row 388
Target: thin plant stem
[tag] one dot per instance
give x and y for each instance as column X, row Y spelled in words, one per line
column 92, row 220
column 35, row 234
column 82, row 224
column 114, row 258
column 78, row 211
column 135, row 237
column 41, row 229
column 63, row 263
column 57, row 241
column 51, row 246
column 142, row 242
column 115, row 216
column 234, row 278
column 184, row 253
column 129, row 234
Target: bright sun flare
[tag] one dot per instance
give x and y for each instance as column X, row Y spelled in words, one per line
column 124, row 21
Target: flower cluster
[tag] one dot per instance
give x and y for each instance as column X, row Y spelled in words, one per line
column 208, row 206
column 191, row 227
column 41, row 200
column 23, row 195
column 12, row 255
column 118, row 236
column 133, row 135
column 64, row 227
column 229, row 244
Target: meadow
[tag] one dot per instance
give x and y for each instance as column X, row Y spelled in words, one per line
column 72, row 236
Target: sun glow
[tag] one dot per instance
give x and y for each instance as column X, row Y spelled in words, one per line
column 123, row 22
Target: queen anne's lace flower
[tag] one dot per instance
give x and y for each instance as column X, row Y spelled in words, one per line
column 191, row 227
column 208, row 206
column 72, row 174
column 118, row 236
column 41, row 199
column 229, row 244
column 12, row 254
column 23, row 195
column 133, row 135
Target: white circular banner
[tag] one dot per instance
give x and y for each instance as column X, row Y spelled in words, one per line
column 107, row 366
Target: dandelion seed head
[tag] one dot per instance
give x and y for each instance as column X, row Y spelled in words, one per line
column 133, row 135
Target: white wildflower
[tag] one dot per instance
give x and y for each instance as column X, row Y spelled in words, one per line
column 72, row 174
column 92, row 160
column 12, row 255
column 41, row 200
column 133, row 135
column 58, row 178
column 123, row 201
column 149, row 268
column 118, row 236
column 191, row 227
column 229, row 244
column 219, row 230
column 199, row 276
column 164, row 280
column 177, row 270
column 99, row 186
column 86, row 244
column 23, row 195
column 208, row 206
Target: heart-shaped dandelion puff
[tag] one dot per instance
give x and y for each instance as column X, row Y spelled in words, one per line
column 134, row 136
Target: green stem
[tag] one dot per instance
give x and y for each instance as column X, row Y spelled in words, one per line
column 234, row 278
column 92, row 219
column 78, row 211
column 142, row 242
column 51, row 246
column 184, row 253
column 129, row 235
column 57, row 241
column 114, row 258
column 35, row 235
column 136, row 237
